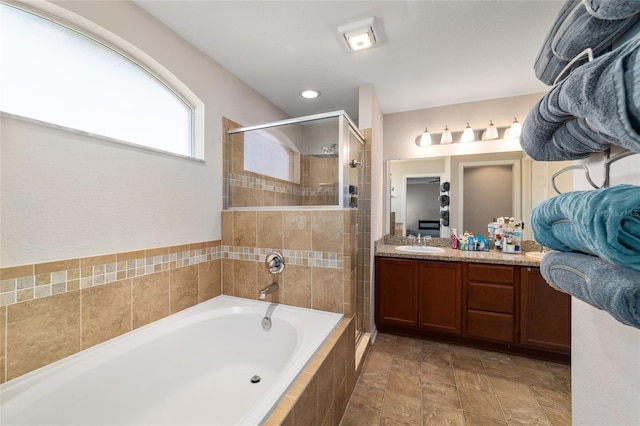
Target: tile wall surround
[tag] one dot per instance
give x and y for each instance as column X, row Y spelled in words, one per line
column 89, row 300
column 321, row 392
column 319, row 250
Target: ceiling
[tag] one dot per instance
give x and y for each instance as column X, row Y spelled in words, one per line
column 431, row 53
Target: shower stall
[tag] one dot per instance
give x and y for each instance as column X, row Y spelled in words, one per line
column 308, row 162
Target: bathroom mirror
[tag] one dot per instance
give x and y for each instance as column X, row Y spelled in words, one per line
column 497, row 184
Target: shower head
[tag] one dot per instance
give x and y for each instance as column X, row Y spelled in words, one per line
column 328, row 151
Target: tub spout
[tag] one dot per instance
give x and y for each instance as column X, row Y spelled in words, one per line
column 267, row 290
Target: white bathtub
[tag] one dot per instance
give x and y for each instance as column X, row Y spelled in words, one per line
column 194, row 367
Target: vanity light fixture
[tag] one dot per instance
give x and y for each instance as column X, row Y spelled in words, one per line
column 309, row 94
column 513, row 131
column 467, row 135
column 446, row 136
column 359, row 35
column 491, row 132
column 425, row 139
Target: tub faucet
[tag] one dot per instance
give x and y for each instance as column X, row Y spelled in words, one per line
column 269, row 289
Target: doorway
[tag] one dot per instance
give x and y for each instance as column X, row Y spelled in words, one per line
column 422, row 209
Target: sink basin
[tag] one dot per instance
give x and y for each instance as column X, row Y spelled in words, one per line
column 420, row 250
column 535, row 254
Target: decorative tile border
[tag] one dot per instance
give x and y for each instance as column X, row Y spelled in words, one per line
column 29, row 284
column 292, row 257
column 245, row 181
column 38, row 285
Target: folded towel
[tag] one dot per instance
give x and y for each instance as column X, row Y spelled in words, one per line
column 598, row 105
column 609, row 9
column 602, row 222
column 579, row 26
column 613, row 289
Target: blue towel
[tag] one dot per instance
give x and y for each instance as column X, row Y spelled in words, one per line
column 598, row 105
column 613, row 289
column 579, row 25
column 602, row 222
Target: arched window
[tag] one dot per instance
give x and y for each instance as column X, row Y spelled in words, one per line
column 52, row 73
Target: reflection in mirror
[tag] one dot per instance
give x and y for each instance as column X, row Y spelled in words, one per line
column 422, row 207
column 529, row 184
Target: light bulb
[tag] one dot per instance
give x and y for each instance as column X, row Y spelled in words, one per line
column 467, row 135
column 491, row 132
column 515, row 129
column 425, row 139
column 446, row 136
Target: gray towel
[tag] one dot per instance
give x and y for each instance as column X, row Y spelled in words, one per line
column 578, row 26
column 610, row 9
column 598, row 105
column 613, row 289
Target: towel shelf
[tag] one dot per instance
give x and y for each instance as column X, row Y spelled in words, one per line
column 608, row 160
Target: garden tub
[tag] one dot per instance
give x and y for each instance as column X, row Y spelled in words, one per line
column 222, row 362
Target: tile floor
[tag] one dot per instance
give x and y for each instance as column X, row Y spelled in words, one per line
column 407, row 381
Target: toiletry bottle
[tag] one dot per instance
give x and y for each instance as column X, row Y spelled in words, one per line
column 454, row 238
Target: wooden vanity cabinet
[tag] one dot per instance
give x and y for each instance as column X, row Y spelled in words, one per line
column 420, row 294
column 545, row 313
column 396, row 291
column 490, row 295
column 499, row 307
column 440, row 296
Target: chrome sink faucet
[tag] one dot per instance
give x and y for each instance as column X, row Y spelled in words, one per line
column 269, row 289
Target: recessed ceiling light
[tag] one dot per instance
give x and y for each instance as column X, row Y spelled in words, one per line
column 359, row 35
column 309, row 94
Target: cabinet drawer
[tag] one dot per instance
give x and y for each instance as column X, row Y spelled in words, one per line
column 490, row 273
column 490, row 297
column 490, row 325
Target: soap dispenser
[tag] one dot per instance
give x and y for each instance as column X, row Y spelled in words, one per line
column 454, row 238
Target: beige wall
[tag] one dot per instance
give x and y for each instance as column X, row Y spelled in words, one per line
column 401, row 129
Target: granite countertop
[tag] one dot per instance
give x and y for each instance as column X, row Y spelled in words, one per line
column 492, row 256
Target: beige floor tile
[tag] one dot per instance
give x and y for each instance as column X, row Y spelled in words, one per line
column 438, row 374
column 387, row 346
column 480, row 402
column 437, row 356
column 467, row 362
column 409, row 381
column 552, row 398
column 512, row 389
column 442, row 417
column 475, row 419
column 439, row 396
column 413, row 353
column 367, row 396
column 406, row 366
column 360, row 416
column 375, row 379
column 540, row 377
column 386, row 421
column 473, row 381
column 501, row 368
column 522, row 413
column 557, row 417
column 404, row 384
column 401, row 407
column 378, row 360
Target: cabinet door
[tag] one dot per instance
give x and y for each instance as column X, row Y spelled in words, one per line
column 545, row 313
column 396, row 291
column 440, row 297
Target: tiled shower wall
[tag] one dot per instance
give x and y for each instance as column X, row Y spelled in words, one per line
column 52, row 310
column 319, row 247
